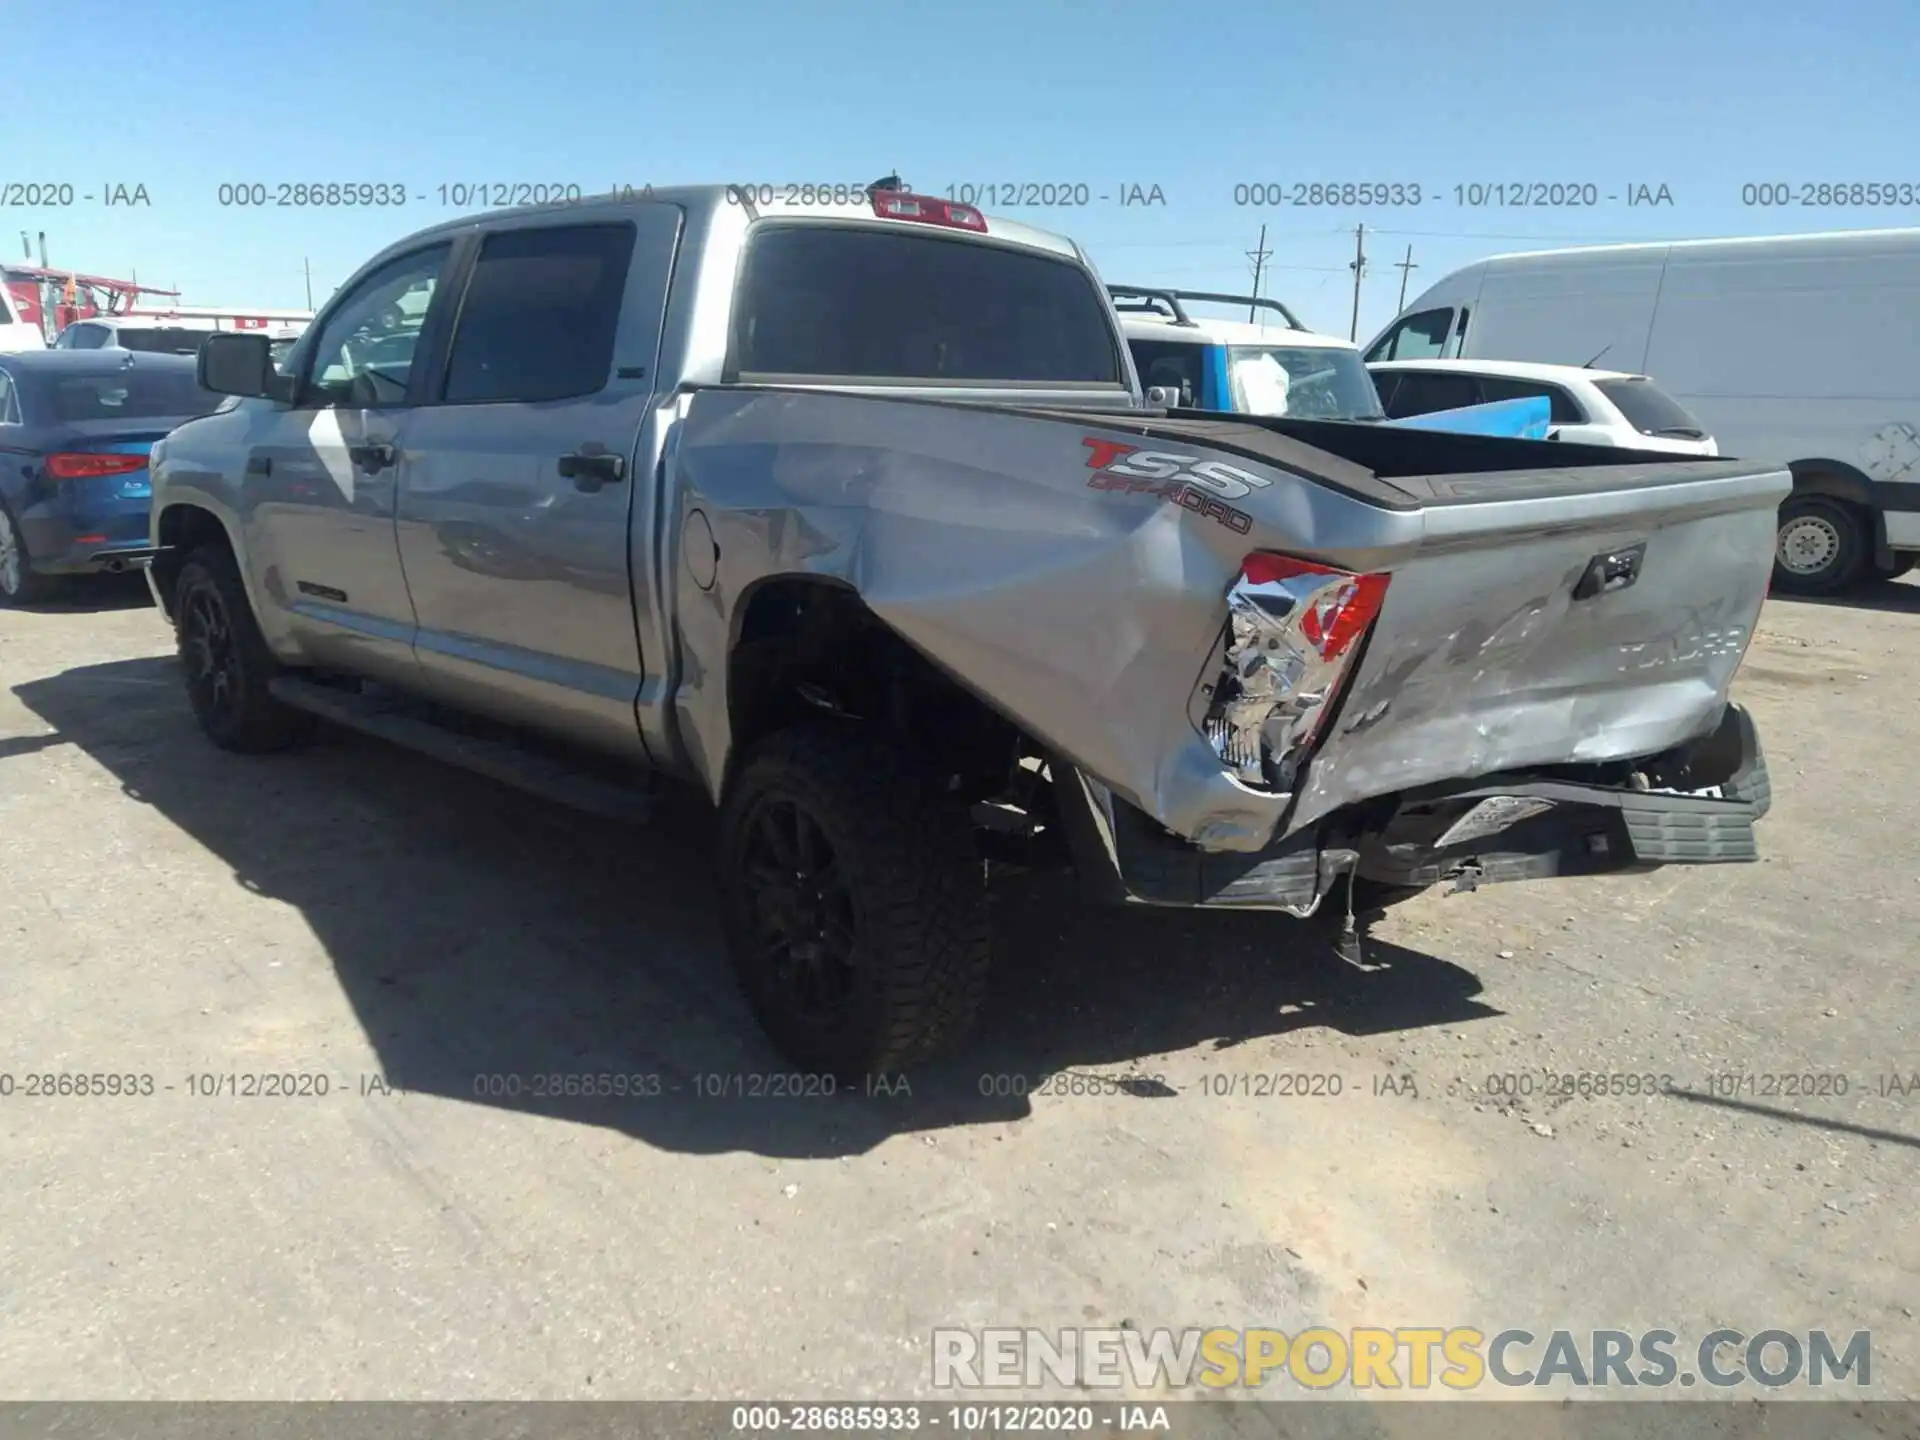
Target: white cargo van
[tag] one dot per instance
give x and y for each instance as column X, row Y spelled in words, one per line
column 1802, row 349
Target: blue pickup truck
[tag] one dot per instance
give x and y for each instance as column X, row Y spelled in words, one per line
column 1278, row 369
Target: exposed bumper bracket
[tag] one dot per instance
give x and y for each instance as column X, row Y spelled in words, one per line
column 1585, row 829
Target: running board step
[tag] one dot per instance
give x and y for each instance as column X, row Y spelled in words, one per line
column 390, row 719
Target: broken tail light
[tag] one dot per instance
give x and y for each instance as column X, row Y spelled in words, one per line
column 1294, row 627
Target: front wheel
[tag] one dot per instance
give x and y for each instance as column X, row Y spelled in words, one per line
column 1820, row 546
column 855, row 901
column 227, row 663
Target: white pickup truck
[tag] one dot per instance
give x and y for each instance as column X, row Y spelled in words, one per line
column 850, row 515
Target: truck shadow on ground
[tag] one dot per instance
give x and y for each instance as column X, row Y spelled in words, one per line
column 487, row 939
column 96, row 594
column 1896, row 597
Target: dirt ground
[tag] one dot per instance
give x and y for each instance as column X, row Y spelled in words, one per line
column 414, row 935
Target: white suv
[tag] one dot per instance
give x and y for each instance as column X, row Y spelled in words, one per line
column 135, row 332
column 1590, row 407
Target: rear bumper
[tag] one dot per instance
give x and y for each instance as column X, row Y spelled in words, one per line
column 109, row 537
column 57, row 550
column 1586, row 827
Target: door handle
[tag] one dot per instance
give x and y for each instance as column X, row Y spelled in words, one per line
column 371, row 458
column 591, row 470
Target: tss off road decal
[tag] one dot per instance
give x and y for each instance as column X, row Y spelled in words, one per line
column 1202, row 486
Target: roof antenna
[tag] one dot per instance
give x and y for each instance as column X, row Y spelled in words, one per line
column 891, row 182
column 1603, row 350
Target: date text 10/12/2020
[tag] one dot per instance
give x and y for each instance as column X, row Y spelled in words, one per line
column 983, row 195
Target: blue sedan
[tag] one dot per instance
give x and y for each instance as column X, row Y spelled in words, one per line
column 76, row 428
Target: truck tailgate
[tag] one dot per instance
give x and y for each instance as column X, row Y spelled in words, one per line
column 1571, row 615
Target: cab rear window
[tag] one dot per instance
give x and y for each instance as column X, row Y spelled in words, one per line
column 860, row 303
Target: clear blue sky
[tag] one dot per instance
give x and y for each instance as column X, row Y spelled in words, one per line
column 1698, row 95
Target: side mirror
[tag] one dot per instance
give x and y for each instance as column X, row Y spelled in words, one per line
column 239, row 364
column 1163, row 397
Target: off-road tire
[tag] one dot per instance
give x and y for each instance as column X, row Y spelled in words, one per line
column 27, row 588
column 239, row 714
column 1846, row 535
column 906, row 854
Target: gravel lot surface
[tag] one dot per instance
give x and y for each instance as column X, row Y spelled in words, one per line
column 430, row 944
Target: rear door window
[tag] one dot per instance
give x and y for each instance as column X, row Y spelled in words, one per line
column 539, row 316
column 1650, row 410
column 1421, row 392
column 838, row 301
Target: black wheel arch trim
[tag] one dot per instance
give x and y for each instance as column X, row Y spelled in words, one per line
column 170, row 551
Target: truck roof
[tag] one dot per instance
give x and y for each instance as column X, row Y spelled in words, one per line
column 710, row 197
column 1204, row 330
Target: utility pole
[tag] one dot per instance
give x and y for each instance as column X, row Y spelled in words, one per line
column 308, row 263
column 1358, row 266
column 1405, row 267
column 1259, row 258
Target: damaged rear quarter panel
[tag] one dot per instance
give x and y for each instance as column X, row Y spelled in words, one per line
column 1083, row 614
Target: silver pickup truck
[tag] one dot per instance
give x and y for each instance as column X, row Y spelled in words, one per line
column 852, row 516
